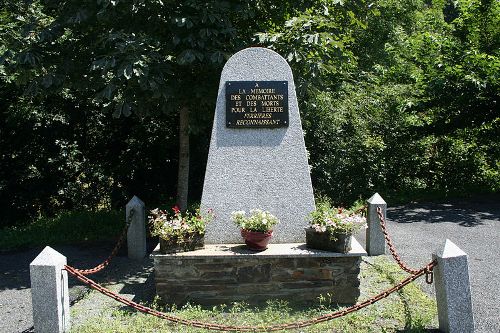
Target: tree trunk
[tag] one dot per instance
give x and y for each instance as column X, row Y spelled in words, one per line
column 183, row 170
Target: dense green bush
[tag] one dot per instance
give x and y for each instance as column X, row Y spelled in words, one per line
column 360, row 141
column 420, row 115
column 399, row 97
column 58, row 154
column 349, row 134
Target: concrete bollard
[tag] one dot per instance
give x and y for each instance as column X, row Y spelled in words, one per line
column 49, row 292
column 136, row 234
column 375, row 241
column 453, row 295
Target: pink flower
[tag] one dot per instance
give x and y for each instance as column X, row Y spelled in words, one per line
column 176, row 209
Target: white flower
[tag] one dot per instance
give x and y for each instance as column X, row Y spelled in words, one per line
column 239, row 213
column 319, row 228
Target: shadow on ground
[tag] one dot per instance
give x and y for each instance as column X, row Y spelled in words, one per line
column 15, row 266
column 460, row 212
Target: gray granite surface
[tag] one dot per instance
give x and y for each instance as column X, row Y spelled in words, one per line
column 283, row 250
column 49, row 292
column 136, row 233
column 375, row 240
column 452, row 285
column 263, row 168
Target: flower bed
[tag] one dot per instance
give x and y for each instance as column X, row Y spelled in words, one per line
column 179, row 232
column 331, row 228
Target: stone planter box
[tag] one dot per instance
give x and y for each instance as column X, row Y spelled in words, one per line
column 225, row 273
column 322, row 241
column 195, row 242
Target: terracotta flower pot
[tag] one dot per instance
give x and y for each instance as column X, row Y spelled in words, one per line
column 256, row 240
column 323, row 241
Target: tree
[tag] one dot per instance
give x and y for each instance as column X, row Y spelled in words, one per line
column 407, row 90
column 131, row 58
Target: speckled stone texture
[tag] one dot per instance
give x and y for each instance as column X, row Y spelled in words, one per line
column 375, row 241
column 257, row 168
column 453, row 295
column 136, row 233
column 224, row 274
column 49, row 292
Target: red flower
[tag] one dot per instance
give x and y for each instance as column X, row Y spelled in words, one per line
column 176, row 209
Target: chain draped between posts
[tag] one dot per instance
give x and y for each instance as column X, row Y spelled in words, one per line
column 117, row 247
column 234, row 328
column 415, row 273
column 428, row 269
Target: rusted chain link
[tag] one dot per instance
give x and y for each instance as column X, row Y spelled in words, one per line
column 428, row 271
column 235, row 328
column 117, row 247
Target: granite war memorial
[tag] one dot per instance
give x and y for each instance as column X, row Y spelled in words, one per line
column 257, row 159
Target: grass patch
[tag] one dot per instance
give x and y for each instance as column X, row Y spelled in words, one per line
column 409, row 310
column 66, row 228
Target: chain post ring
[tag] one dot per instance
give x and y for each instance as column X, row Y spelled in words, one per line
column 429, row 273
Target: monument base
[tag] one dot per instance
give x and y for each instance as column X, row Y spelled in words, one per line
column 225, row 273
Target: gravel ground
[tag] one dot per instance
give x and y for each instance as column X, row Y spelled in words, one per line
column 417, row 230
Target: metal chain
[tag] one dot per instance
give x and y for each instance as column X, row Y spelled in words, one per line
column 235, row 328
column 428, row 270
column 117, row 247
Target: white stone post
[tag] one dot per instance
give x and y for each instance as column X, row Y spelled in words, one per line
column 136, row 234
column 453, row 295
column 49, row 292
column 375, row 241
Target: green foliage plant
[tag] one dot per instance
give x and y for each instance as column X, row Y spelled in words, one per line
column 104, row 82
column 178, row 226
column 67, row 228
column 316, row 39
column 396, row 96
column 333, row 220
column 259, row 220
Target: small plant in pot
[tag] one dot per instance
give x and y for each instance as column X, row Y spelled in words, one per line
column 177, row 231
column 331, row 228
column 256, row 229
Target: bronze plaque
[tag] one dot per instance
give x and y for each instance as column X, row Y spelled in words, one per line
column 256, row 104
